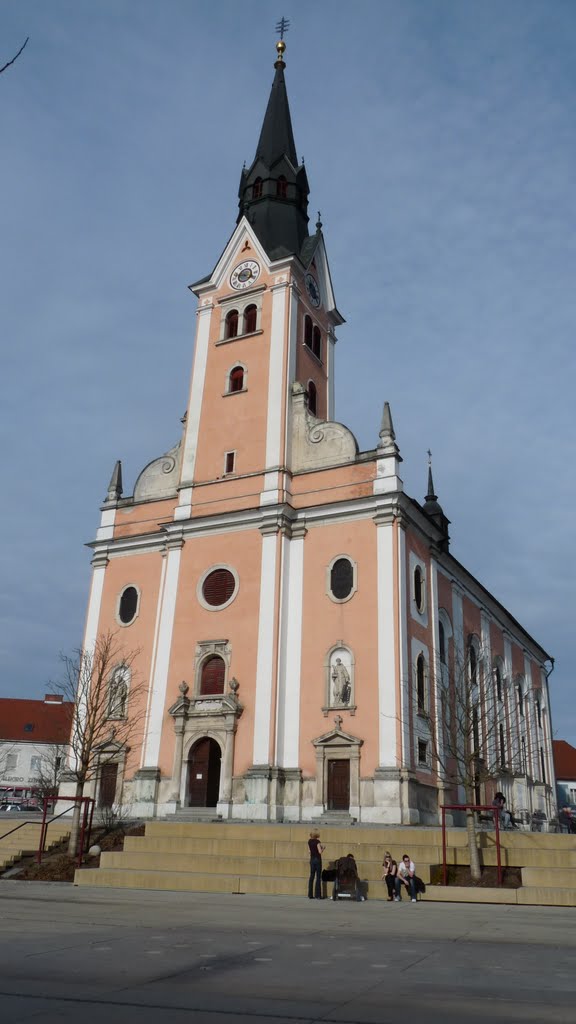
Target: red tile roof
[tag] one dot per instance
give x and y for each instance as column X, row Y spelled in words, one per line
column 37, row 721
column 564, row 760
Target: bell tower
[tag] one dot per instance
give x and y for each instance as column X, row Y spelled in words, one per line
column 266, row 320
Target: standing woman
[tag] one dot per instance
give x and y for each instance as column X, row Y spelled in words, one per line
column 315, row 847
column 389, row 874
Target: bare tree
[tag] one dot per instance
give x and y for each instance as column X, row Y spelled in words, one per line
column 467, row 734
column 15, row 57
column 109, row 711
column 52, row 764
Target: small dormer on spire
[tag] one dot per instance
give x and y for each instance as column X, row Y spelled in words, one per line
column 388, row 457
column 433, row 509
column 115, row 485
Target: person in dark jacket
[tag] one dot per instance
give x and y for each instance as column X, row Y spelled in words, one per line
column 315, row 881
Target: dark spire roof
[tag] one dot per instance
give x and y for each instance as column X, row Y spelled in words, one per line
column 115, row 485
column 433, row 508
column 273, row 192
column 276, row 138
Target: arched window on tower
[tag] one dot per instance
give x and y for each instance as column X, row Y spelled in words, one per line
column 250, row 316
column 212, row 676
column 231, row 330
column 520, row 700
column 236, row 379
column 308, row 331
column 442, row 642
column 257, row 189
column 312, row 398
column 472, row 663
column 421, row 683
column 282, row 187
column 317, row 342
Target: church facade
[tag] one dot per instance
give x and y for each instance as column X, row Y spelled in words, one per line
column 302, row 627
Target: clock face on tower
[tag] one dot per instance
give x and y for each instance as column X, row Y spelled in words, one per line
column 313, row 290
column 245, row 274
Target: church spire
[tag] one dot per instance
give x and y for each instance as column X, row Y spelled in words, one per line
column 433, row 508
column 274, row 190
column 115, row 485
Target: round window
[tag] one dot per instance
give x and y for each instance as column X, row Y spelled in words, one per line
column 218, row 587
column 342, row 578
column 128, row 605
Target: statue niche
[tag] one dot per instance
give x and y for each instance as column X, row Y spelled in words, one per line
column 339, row 666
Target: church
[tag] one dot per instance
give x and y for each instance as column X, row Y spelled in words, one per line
column 303, row 630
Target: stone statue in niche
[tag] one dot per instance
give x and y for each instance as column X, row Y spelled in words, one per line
column 341, row 688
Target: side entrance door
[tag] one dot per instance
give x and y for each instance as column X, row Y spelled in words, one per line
column 338, row 785
column 204, row 773
column 108, row 779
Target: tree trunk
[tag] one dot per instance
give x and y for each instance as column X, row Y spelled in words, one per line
column 75, row 829
column 475, row 871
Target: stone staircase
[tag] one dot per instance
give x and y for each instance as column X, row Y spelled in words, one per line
column 24, row 841
column 273, row 860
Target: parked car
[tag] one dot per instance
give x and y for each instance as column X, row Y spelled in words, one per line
column 10, row 807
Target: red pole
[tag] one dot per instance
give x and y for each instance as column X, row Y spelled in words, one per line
column 444, row 870
column 42, row 831
column 84, row 804
column 92, row 805
column 498, row 858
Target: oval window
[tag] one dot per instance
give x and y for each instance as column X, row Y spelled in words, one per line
column 342, row 578
column 218, row 587
column 128, row 605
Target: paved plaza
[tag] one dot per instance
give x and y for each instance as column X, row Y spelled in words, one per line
column 115, row 956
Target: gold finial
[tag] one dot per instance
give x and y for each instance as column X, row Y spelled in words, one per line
column 282, row 27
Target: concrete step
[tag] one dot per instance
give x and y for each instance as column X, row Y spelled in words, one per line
column 186, row 881
column 204, row 864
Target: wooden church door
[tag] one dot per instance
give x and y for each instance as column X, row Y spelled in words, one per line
column 204, row 774
column 108, row 779
column 338, row 785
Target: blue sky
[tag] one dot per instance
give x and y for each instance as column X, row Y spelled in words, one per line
column 440, row 146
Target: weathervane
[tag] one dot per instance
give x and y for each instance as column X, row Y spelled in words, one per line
column 429, row 454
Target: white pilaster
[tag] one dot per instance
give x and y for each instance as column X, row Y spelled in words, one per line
column 331, row 370
column 265, row 656
column 99, row 562
column 290, row 655
column 275, row 404
column 166, row 611
column 388, row 709
column 194, row 408
column 490, row 710
column 436, row 667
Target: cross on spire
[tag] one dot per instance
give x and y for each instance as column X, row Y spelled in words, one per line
column 282, row 26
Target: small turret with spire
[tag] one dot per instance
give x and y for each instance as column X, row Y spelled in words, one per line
column 115, row 485
column 433, row 509
column 388, row 457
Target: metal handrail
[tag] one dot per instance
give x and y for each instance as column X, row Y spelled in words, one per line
column 19, row 825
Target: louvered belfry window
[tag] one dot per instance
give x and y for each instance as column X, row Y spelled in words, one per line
column 218, row 587
column 341, row 578
column 213, row 675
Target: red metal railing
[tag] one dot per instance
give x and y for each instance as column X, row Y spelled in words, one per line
column 471, row 807
column 87, row 811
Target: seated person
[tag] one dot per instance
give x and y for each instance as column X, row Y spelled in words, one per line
column 566, row 819
column 406, row 875
column 506, row 817
column 389, row 874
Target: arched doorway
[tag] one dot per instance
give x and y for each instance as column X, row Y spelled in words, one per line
column 204, row 773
